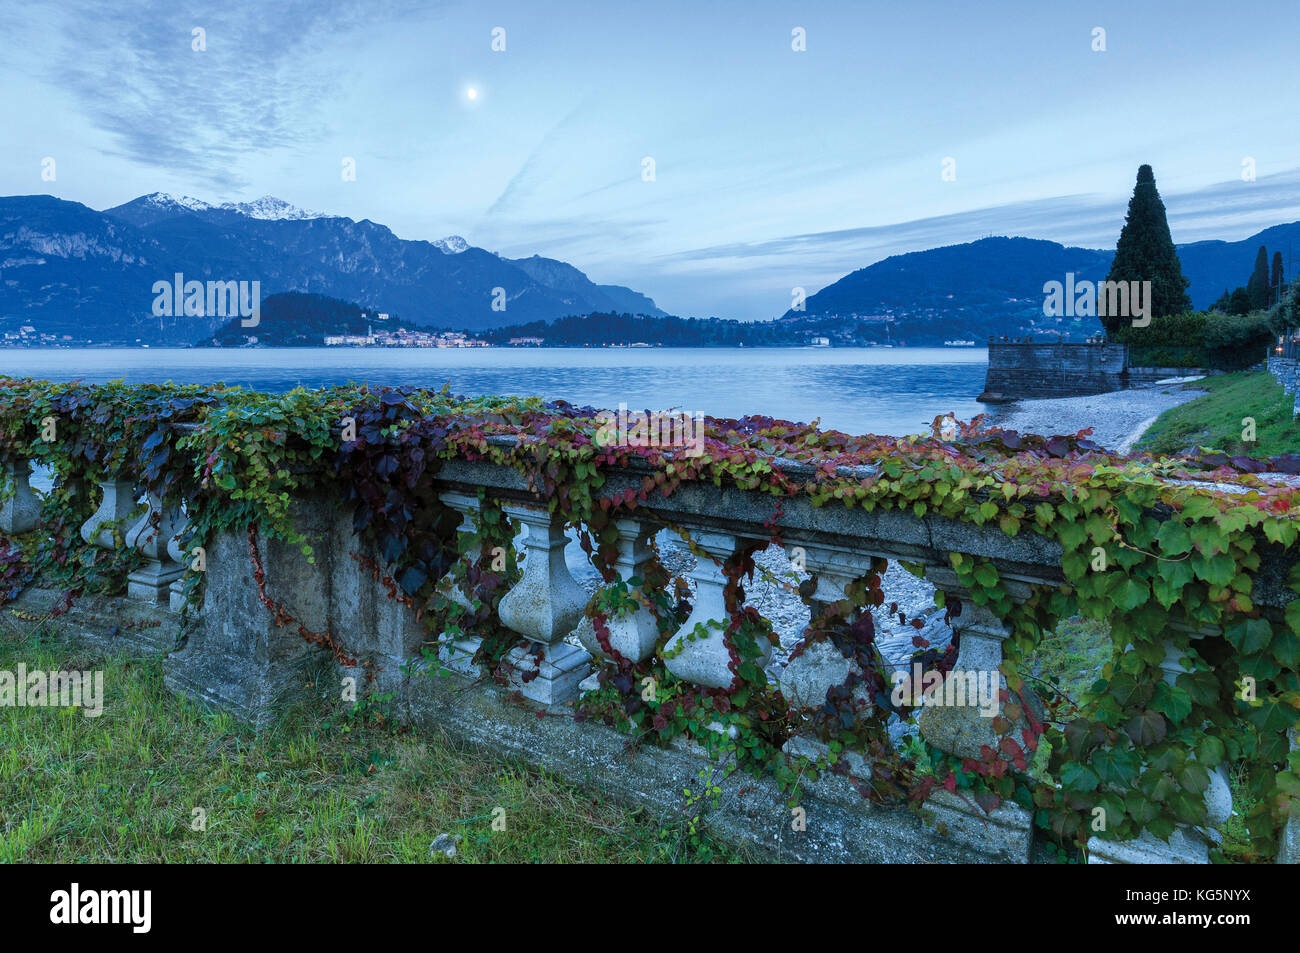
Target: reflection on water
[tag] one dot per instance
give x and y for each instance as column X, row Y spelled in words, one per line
column 859, row 390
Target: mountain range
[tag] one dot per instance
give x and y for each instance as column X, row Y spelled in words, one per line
column 994, row 286
column 66, row 269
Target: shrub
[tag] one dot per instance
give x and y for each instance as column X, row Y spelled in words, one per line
column 1236, row 342
column 1226, row 342
column 1175, row 340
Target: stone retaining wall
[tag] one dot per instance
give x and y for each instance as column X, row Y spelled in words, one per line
column 1023, row 368
column 1287, row 372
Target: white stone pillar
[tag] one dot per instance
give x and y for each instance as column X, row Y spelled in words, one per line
column 544, row 607
column 176, row 597
column 705, row 658
column 20, row 511
column 818, row 667
column 962, row 729
column 151, row 536
column 117, row 504
column 633, row 636
column 958, row 718
column 458, row 654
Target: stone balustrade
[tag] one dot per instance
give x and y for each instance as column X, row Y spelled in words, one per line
column 238, row 655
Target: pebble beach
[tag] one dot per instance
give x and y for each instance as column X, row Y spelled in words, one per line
column 1118, row 418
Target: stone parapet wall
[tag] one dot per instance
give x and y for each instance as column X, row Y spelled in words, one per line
column 1023, row 368
column 270, row 618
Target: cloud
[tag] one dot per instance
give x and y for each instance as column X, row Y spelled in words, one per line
column 538, row 167
column 753, row 279
column 257, row 86
column 581, row 240
column 1088, row 220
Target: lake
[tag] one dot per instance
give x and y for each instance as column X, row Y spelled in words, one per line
column 857, row 390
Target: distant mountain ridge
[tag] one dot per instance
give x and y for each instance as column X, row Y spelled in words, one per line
column 563, row 277
column 995, row 286
column 66, row 268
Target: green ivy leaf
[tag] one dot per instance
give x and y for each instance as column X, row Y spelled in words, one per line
column 1146, row 729
column 1079, row 777
column 1174, row 539
column 1250, row 636
column 1132, row 594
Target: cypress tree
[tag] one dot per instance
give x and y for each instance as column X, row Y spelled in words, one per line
column 1276, row 281
column 1257, row 287
column 1239, row 302
column 1145, row 252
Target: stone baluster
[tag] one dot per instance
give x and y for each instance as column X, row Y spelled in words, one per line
column 458, row 654
column 151, row 536
column 820, row 665
column 19, row 511
column 959, row 719
column 544, row 607
column 632, row 636
column 705, row 658
column 1186, row 845
column 116, row 505
column 185, row 559
column 817, row 667
column 834, row 570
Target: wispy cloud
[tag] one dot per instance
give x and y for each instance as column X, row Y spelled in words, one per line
column 259, row 83
column 1086, row 220
column 534, row 170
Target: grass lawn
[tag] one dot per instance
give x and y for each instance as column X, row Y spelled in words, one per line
column 1215, row 419
column 323, row 785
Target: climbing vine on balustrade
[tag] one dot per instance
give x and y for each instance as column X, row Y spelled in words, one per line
column 1167, row 551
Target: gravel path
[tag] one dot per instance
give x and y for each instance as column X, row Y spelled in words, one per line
column 1117, row 418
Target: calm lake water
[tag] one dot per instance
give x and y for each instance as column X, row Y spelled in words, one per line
column 857, row 390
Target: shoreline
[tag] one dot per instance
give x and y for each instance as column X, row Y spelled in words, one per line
column 1118, row 418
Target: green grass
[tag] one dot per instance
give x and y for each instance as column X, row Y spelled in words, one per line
column 1070, row 658
column 320, row 786
column 1236, row 845
column 1215, row 418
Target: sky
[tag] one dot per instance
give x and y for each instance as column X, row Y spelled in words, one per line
column 688, row 150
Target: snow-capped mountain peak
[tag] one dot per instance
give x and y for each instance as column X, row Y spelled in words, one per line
column 270, row 207
column 452, row 245
column 167, row 200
